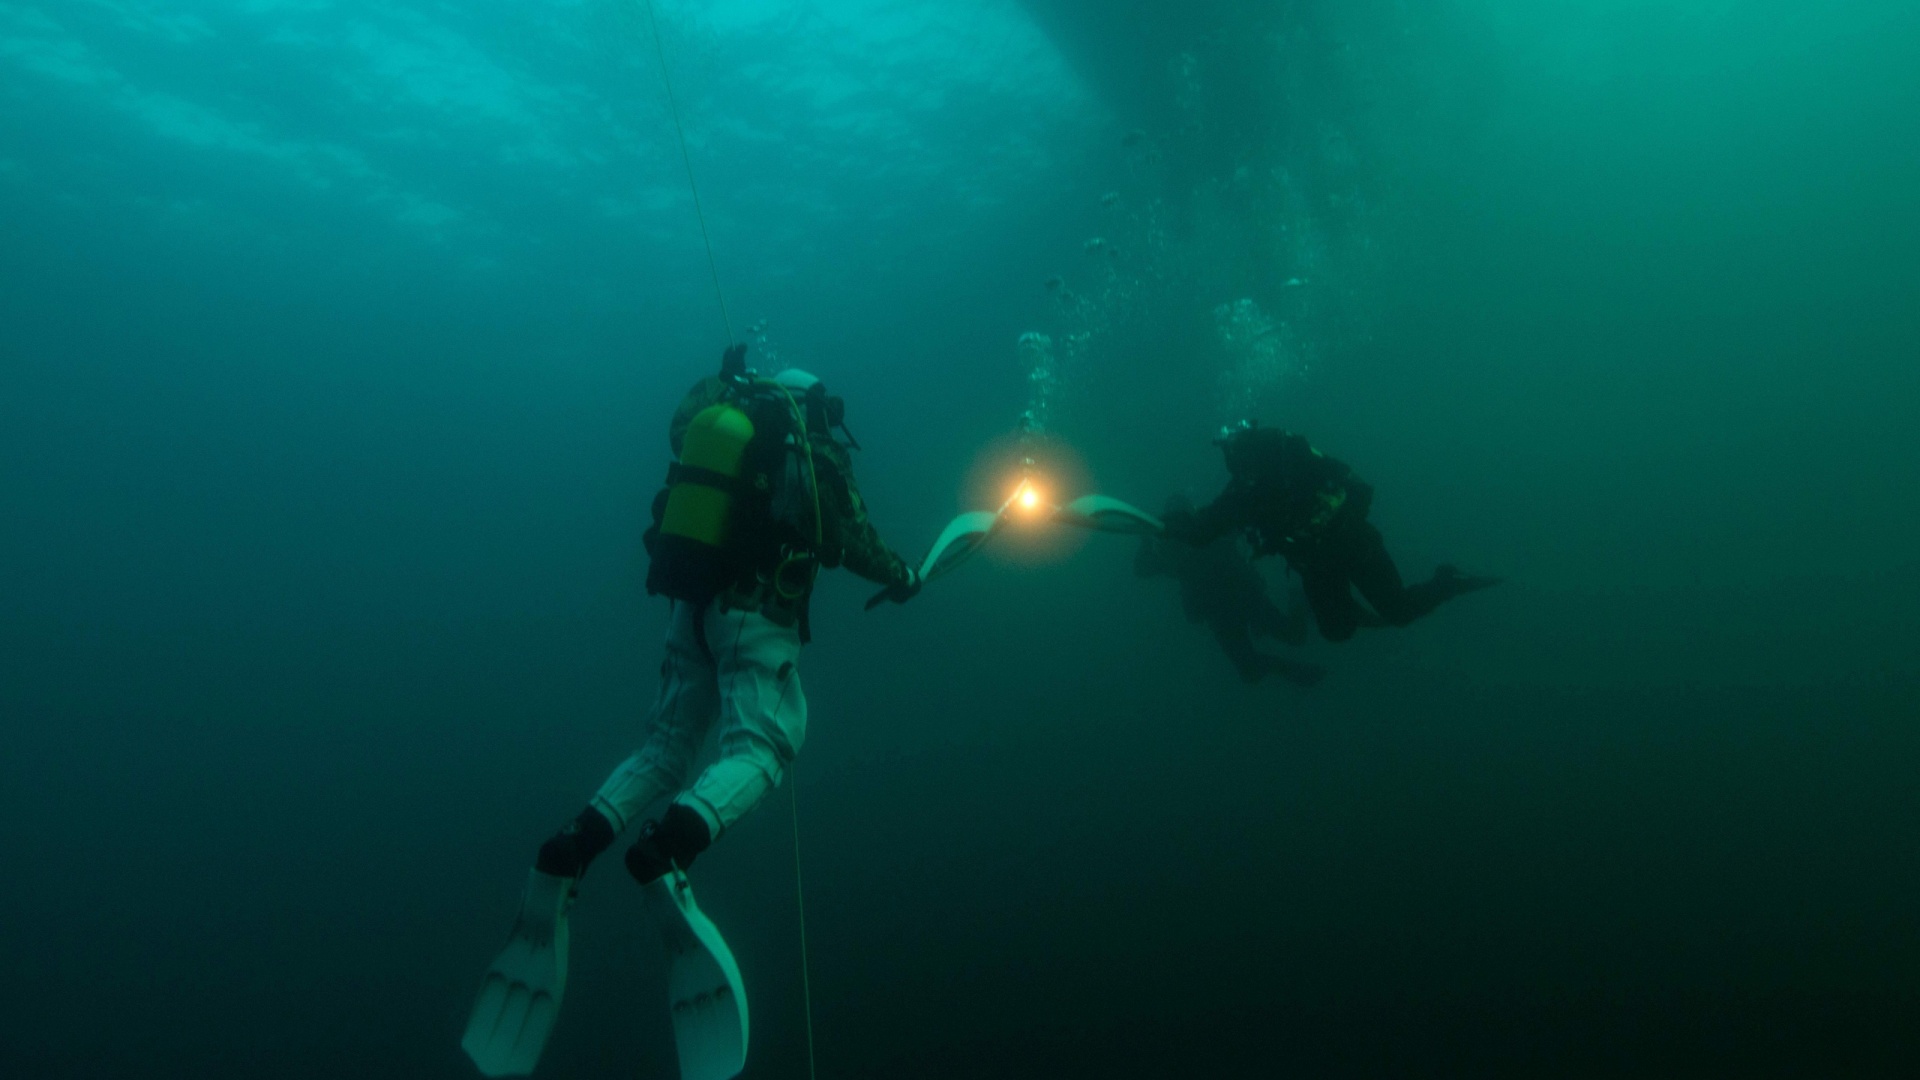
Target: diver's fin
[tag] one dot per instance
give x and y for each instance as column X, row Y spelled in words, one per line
column 963, row 536
column 1459, row 584
column 1297, row 672
column 520, row 996
column 708, row 1002
column 1103, row 514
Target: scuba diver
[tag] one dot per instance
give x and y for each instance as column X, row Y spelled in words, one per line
column 1291, row 500
column 1219, row 586
column 759, row 497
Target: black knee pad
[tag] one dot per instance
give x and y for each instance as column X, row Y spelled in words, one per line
column 571, row 850
column 674, row 841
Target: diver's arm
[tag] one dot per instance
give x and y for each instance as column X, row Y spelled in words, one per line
column 1223, row 515
column 851, row 539
column 867, row 555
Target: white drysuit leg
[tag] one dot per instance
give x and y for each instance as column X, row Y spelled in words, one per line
column 763, row 715
column 688, row 703
column 747, row 678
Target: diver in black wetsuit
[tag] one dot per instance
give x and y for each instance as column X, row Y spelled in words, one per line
column 1291, row 500
column 1220, row 587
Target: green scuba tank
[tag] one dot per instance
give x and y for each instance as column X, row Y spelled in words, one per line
column 697, row 551
column 700, row 505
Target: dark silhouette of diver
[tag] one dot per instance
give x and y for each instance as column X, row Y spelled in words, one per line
column 1291, row 500
column 1220, row 587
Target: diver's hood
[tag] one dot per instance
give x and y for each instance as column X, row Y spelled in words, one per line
column 797, row 381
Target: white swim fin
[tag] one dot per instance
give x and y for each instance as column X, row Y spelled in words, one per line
column 708, row 1002
column 963, row 536
column 520, row 997
column 1103, row 514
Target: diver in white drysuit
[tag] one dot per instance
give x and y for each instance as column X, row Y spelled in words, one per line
column 760, row 496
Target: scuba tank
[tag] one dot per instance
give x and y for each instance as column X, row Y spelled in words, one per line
column 695, row 550
column 701, row 503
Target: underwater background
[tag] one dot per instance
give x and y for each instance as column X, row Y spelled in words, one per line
column 339, row 340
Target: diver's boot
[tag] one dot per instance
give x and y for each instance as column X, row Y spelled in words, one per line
column 671, row 843
column 569, row 852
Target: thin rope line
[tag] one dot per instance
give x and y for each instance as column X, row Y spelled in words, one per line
column 800, row 895
column 673, row 105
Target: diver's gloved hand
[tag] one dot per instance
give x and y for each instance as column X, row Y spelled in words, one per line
column 733, row 362
column 900, row 593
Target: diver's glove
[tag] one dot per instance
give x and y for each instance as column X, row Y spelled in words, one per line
column 900, row 593
column 733, row 362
